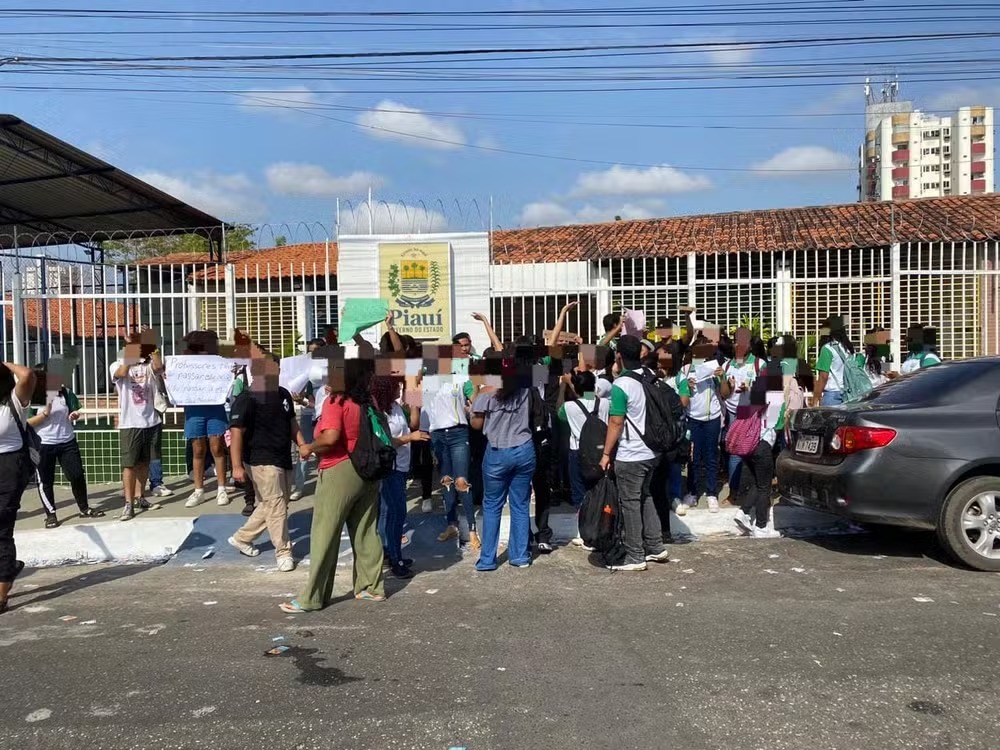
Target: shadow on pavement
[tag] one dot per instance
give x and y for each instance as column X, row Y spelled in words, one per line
column 87, row 578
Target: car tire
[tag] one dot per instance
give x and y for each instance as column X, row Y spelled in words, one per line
column 950, row 531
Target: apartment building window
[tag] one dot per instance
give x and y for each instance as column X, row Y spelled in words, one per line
column 947, row 185
column 932, row 185
column 932, row 134
column 932, row 168
column 979, row 120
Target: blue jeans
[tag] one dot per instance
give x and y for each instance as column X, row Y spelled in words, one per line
column 705, row 438
column 392, row 515
column 451, row 446
column 156, row 459
column 735, row 462
column 576, row 486
column 306, row 424
column 832, row 398
column 507, row 475
column 676, row 486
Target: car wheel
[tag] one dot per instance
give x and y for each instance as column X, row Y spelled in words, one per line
column 969, row 527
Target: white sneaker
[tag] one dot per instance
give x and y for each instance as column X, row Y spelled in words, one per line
column 196, row 499
column 690, row 500
column 245, row 549
column 222, row 497
column 768, row 532
column 286, row 564
column 231, row 488
column 161, row 491
column 629, row 567
column 296, row 495
column 713, row 504
column 681, row 509
column 662, row 557
column 744, row 522
column 427, row 506
column 576, row 541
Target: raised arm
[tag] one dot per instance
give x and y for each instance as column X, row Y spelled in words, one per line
column 611, row 334
column 397, row 343
column 25, row 377
column 494, row 339
column 560, row 323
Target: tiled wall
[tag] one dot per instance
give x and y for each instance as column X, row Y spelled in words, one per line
column 102, row 455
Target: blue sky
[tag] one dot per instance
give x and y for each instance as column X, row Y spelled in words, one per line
column 281, row 142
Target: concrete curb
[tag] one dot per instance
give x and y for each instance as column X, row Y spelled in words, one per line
column 201, row 540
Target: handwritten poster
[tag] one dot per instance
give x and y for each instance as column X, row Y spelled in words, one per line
column 198, row 379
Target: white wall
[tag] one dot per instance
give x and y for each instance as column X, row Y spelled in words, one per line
column 358, row 265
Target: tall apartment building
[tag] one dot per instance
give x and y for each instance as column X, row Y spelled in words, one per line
column 909, row 154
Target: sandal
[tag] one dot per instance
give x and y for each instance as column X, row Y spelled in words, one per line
column 51, row 522
column 368, row 596
column 292, row 608
column 91, row 513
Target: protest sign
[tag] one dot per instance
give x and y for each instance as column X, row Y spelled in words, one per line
column 198, row 379
column 634, row 323
column 360, row 314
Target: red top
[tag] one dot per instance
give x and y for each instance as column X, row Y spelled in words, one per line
column 344, row 417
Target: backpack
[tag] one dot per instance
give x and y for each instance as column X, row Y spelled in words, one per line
column 374, row 456
column 591, row 449
column 743, row 435
column 538, row 418
column 601, row 524
column 662, row 404
column 856, row 383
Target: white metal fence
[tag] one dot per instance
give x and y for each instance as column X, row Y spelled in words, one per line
column 59, row 305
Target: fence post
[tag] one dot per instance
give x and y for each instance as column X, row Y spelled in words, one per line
column 692, row 262
column 17, row 302
column 896, row 294
column 784, row 322
column 230, row 292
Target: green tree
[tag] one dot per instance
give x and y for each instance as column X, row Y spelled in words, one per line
column 238, row 237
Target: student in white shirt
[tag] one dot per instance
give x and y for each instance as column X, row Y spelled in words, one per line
column 921, row 343
column 17, row 383
column 54, row 424
column 702, row 389
column 833, row 358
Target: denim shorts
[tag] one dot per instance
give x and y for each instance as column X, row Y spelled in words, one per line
column 204, row 421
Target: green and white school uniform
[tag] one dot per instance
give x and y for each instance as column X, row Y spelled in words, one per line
column 832, row 358
column 743, row 375
column 919, row 362
column 705, row 403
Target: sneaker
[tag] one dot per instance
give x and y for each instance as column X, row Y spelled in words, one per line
column 427, row 506
column 545, row 548
column 296, row 495
column 681, row 509
column 577, row 541
column 196, row 499
column 629, row 567
column 690, row 500
column 245, row 549
column 768, row 532
column 51, row 521
column 464, row 547
column 222, row 497
column 713, row 504
column 128, row 513
column 285, row 564
column 474, row 540
column 161, row 491
column 448, row 534
column 401, row 571
column 248, row 509
column 659, row 557
column 744, row 522
column 144, row 504
column 231, row 488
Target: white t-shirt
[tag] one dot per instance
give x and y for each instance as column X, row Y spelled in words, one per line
column 399, row 426
column 444, row 400
column 742, row 375
column 769, row 419
column 832, row 358
column 917, row 361
column 575, row 417
column 10, row 434
column 136, row 396
column 631, row 446
column 58, row 427
column 705, row 402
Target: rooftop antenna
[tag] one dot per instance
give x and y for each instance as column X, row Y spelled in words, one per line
column 869, row 98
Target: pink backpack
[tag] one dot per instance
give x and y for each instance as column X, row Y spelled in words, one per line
column 743, row 435
column 795, row 397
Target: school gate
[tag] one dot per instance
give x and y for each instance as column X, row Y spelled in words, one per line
column 933, row 262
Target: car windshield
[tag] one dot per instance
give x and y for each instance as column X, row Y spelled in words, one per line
column 943, row 383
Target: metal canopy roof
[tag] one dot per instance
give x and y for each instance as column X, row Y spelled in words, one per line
column 56, row 194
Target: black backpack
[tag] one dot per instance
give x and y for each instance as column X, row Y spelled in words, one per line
column 374, row 456
column 541, row 425
column 591, row 449
column 601, row 524
column 663, row 427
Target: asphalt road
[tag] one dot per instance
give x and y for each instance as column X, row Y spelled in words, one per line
column 830, row 650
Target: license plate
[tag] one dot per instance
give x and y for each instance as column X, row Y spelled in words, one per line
column 807, row 444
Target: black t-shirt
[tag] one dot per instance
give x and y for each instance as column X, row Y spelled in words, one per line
column 266, row 420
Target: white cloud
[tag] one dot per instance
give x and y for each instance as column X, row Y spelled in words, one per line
column 283, row 102
column 804, row 161
column 394, row 219
column 619, row 180
column 313, row 181
column 731, row 54
column 231, row 197
column 392, row 121
column 551, row 213
column 964, row 96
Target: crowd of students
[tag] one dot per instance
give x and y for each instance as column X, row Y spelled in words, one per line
column 502, row 427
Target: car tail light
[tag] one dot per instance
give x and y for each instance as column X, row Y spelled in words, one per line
column 847, row 440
